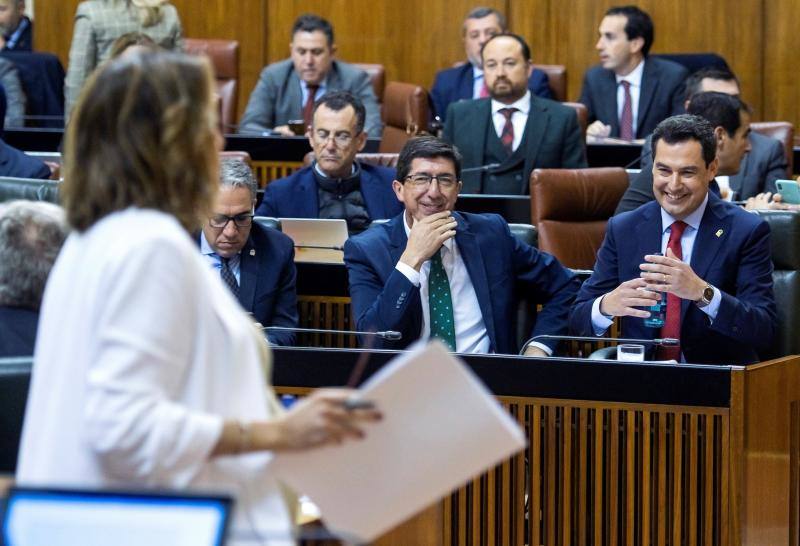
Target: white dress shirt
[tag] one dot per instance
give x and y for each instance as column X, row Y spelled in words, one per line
column 518, row 118
column 321, row 90
column 141, row 355
column 477, row 82
column 601, row 323
column 635, row 79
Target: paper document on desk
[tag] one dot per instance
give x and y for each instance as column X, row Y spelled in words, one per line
column 440, row 428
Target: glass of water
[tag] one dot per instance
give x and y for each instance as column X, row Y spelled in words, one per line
column 630, row 353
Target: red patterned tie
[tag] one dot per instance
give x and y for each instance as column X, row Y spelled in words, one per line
column 672, row 322
column 626, row 119
column 308, row 108
column 507, row 136
column 484, row 92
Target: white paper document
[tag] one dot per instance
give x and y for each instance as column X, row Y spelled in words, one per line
column 440, row 428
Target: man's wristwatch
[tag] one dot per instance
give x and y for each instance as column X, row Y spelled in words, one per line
column 705, row 299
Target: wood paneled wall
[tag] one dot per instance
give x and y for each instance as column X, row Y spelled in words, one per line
column 415, row 38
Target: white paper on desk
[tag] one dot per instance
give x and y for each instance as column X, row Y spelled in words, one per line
column 440, row 428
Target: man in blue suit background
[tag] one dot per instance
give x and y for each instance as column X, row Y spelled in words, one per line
column 335, row 185
column 466, row 81
column 715, row 272
column 431, row 272
column 255, row 262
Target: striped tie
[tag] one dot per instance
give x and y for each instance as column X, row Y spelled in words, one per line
column 507, row 136
column 228, row 277
column 626, row 119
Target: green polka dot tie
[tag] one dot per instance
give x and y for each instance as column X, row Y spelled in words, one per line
column 441, row 304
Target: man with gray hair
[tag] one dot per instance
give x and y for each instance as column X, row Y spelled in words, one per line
column 255, row 262
column 466, row 80
column 31, row 235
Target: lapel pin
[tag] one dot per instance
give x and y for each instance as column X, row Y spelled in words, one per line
column 253, row 250
column 719, row 233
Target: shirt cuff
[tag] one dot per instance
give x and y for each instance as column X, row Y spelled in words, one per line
column 548, row 351
column 713, row 308
column 600, row 322
column 409, row 272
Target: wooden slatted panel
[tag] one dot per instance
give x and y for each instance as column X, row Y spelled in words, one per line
column 267, row 171
column 327, row 312
column 609, row 475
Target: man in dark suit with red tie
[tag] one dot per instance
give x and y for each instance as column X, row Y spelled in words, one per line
column 715, row 271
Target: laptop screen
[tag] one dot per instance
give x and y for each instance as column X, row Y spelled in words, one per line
column 38, row 517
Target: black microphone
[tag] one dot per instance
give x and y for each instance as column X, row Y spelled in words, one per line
column 639, row 159
column 482, row 168
column 318, row 247
column 389, row 335
column 665, row 342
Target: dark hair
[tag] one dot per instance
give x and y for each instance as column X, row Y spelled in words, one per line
column 427, row 147
column 339, row 100
column 131, row 39
column 482, row 11
column 142, row 134
column 685, row 127
column 695, row 79
column 720, row 109
column 526, row 51
column 309, row 22
column 638, row 24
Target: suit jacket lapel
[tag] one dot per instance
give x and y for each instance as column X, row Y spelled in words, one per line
column 248, row 274
column 535, row 129
column 373, row 198
column 294, row 97
column 649, row 236
column 465, row 82
column 608, row 90
column 711, row 237
column 737, row 181
column 306, row 196
column 475, row 124
column 473, row 260
column 397, row 244
column 648, row 90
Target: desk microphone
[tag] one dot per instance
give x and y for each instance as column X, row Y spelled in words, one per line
column 639, row 159
column 482, row 168
column 389, row 335
column 318, row 247
column 664, row 342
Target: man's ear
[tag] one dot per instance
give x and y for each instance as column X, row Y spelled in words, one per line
column 637, row 44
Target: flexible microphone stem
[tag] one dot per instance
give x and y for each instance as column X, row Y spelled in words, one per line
column 664, row 342
column 389, row 335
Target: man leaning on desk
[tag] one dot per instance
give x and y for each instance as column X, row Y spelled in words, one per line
column 432, row 272
column 286, row 90
column 715, row 271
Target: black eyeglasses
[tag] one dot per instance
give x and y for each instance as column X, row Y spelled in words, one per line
column 241, row 220
column 423, row 180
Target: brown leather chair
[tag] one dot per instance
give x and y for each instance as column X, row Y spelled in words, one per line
column 583, row 115
column 224, row 56
column 783, row 131
column 556, row 78
column 382, row 160
column 570, row 208
column 377, row 75
column 237, row 154
column 404, row 113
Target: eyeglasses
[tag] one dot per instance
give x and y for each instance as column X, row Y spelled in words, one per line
column 423, row 180
column 240, row 220
column 342, row 140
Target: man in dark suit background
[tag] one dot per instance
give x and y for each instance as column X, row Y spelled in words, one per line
column 16, row 28
column 255, row 262
column 432, row 272
column 335, row 185
column 730, row 118
column 715, row 272
column 629, row 92
column 512, row 129
column 31, row 235
column 466, row 81
column 286, row 90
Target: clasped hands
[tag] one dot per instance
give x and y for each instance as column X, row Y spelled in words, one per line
column 658, row 274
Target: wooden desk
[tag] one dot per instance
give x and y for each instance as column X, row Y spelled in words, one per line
column 618, row 453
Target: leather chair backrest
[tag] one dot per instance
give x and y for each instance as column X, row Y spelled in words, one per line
column 570, row 208
column 583, row 116
column 268, row 221
column 780, row 130
column 32, row 189
column 377, row 76
column 224, row 56
column 237, row 154
column 404, row 113
column 15, row 377
column 556, row 79
column 695, row 61
column 785, row 250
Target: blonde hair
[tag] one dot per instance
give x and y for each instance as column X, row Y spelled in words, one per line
column 143, row 134
column 149, row 11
